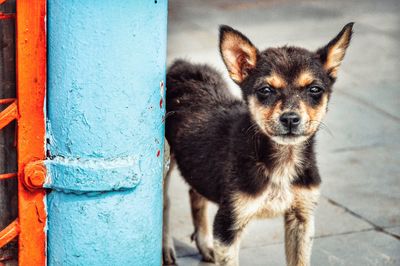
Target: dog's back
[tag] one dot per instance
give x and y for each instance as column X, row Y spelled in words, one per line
column 200, row 114
column 186, row 80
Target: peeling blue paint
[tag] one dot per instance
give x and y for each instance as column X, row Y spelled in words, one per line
column 106, row 60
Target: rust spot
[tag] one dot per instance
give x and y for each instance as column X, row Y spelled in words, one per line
column 162, row 88
column 161, row 103
column 158, row 153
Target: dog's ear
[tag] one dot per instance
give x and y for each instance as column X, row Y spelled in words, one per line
column 333, row 53
column 238, row 53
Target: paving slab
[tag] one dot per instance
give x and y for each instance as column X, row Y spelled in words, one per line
column 366, row 248
column 366, row 181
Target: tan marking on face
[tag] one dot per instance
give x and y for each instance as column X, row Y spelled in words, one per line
column 314, row 115
column 304, row 79
column 303, row 111
column 264, row 115
column 276, row 81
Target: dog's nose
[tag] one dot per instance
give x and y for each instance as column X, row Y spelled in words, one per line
column 290, row 120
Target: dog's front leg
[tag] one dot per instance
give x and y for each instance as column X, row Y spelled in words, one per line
column 227, row 231
column 299, row 227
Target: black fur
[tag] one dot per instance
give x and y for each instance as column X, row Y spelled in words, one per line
column 200, row 112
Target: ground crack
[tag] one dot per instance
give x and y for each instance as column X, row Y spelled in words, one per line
column 375, row 226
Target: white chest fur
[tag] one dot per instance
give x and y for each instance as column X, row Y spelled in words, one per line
column 275, row 200
column 278, row 195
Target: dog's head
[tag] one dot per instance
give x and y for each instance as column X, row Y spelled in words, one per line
column 287, row 89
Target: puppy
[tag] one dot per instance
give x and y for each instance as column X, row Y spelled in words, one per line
column 253, row 157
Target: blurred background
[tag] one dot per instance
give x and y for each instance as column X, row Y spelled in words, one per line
column 358, row 218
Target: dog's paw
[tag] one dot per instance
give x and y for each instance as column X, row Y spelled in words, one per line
column 204, row 244
column 208, row 254
column 169, row 257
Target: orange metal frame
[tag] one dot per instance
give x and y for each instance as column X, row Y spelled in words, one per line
column 29, row 112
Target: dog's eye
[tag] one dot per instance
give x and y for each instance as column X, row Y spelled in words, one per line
column 315, row 90
column 265, row 91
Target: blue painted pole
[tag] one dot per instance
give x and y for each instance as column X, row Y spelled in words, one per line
column 106, row 70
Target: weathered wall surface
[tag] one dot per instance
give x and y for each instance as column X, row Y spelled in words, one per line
column 106, row 61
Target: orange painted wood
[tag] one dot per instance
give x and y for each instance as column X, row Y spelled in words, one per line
column 31, row 83
column 9, row 233
column 8, row 115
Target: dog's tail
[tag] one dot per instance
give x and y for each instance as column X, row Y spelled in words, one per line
column 186, row 74
column 190, row 84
